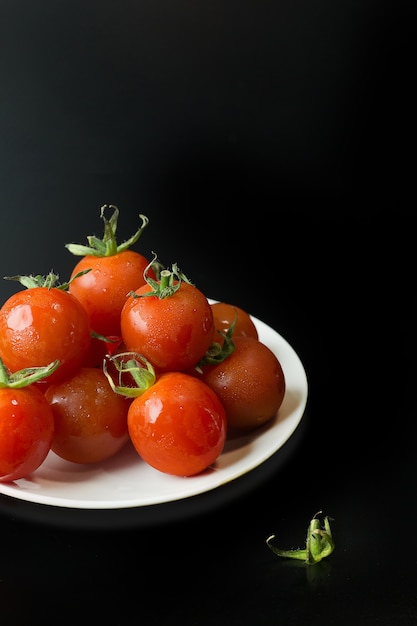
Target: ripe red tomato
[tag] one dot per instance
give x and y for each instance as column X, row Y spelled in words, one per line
column 172, row 332
column 178, row 425
column 103, row 290
column 224, row 314
column 115, row 271
column 39, row 325
column 26, row 431
column 250, row 383
column 90, row 419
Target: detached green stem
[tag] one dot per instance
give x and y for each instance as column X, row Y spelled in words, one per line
column 319, row 543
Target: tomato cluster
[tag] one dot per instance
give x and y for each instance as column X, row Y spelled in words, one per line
column 127, row 350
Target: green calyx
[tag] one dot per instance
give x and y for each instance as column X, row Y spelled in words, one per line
column 25, row 377
column 49, row 281
column 134, row 374
column 169, row 281
column 319, row 543
column 107, row 246
column 217, row 353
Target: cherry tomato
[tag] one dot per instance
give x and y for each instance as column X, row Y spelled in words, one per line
column 26, row 431
column 178, row 425
column 250, row 383
column 103, row 290
column 173, row 332
column 115, row 271
column 90, row 419
column 39, row 325
column 225, row 314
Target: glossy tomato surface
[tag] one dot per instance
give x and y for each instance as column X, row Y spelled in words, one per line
column 40, row 325
column 26, row 431
column 173, row 333
column 90, row 418
column 103, row 290
column 178, row 426
column 250, row 384
column 225, row 314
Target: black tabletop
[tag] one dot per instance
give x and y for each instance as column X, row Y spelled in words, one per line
column 269, row 144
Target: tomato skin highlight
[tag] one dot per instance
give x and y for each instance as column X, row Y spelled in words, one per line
column 250, row 384
column 103, row 290
column 90, row 419
column 178, row 426
column 38, row 326
column 173, row 333
column 26, row 431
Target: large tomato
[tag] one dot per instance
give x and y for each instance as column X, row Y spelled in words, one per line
column 178, row 425
column 250, row 383
column 26, row 423
column 39, row 325
column 169, row 322
column 90, row 419
column 115, row 270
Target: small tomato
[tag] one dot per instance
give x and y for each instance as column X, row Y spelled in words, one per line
column 178, row 425
column 169, row 322
column 90, row 419
column 250, row 383
column 41, row 324
column 225, row 314
column 26, row 422
column 115, row 270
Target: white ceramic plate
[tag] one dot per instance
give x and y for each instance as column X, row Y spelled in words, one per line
column 126, row 481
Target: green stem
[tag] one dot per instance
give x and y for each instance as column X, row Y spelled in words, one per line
column 25, row 377
column 135, row 367
column 319, row 543
column 4, row 377
column 169, row 282
column 107, row 246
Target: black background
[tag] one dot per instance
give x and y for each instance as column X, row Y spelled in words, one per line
column 272, row 146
